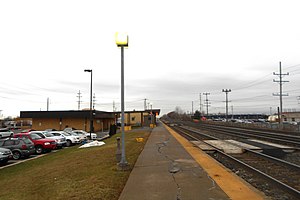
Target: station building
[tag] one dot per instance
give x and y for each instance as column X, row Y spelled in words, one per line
column 80, row 119
column 291, row 116
column 139, row 118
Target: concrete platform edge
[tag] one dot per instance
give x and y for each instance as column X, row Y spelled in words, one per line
column 231, row 184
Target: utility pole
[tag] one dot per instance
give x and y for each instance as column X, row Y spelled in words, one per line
column 226, row 92
column 200, row 103
column 114, row 106
column 145, row 104
column 206, row 101
column 280, row 94
column 79, row 96
column 231, row 111
column 94, row 101
column 47, row 103
column 192, row 107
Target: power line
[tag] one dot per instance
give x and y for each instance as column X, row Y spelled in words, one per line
column 254, row 83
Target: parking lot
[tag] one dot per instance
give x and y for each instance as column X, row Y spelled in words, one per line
column 35, row 140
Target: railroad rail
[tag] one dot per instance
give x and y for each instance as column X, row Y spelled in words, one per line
column 286, row 139
column 276, row 172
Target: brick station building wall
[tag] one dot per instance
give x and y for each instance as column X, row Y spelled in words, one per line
column 133, row 118
column 41, row 124
column 77, row 123
column 59, row 124
column 98, row 123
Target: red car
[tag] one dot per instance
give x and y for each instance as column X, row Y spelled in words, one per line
column 41, row 144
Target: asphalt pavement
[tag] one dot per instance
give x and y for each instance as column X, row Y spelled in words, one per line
column 166, row 171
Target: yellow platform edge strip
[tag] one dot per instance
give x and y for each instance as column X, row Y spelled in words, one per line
column 231, row 184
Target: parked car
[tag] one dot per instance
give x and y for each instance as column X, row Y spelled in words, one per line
column 27, row 130
column 5, row 155
column 41, row 144
column 60, row 140
column 5, row 132
column 50, row 129
column 20, row 147
column 94, row 135
column 71, row 131
column 71, row 139
column 82, row 136
column 68, row 129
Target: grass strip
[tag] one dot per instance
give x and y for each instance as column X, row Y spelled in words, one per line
column 73, row 173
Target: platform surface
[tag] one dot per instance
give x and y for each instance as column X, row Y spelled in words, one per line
column 164, row 170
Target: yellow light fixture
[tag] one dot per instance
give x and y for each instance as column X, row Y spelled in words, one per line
column 122, row 39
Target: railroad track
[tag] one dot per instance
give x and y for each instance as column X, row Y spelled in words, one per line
column 275, row 177
column 281, row 138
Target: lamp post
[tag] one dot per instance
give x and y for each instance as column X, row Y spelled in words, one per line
column 122, row 41
column 91, row 96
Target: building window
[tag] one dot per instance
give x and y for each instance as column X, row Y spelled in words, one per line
column 285, row 119
column 293, row 119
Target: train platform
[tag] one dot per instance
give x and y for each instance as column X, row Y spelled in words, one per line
column 172, row 168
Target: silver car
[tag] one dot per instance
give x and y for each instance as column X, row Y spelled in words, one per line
column 5, row 155
column 4, row 132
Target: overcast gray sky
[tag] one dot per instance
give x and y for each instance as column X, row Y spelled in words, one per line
column 177, row 50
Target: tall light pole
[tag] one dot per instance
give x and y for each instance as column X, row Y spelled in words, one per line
column 122, row 41
column 226, row 92
column 91, row 99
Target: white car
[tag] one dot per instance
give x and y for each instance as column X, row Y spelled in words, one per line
column 60, row 140
column 82, row 136
column 71, row 139
column 4, row 132
column 94, row 135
